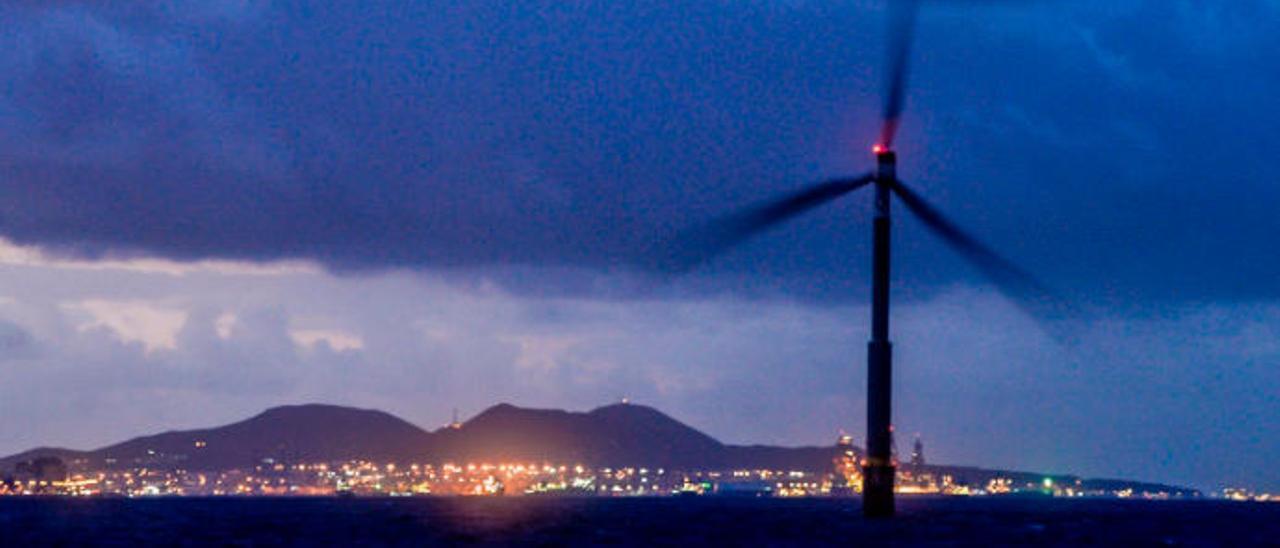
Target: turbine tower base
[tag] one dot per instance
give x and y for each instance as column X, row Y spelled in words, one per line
column 877, row 490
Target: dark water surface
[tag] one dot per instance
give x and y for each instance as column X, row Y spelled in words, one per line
column 644, row 522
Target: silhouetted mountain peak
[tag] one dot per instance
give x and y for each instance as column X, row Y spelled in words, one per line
column 500, row 407
column 292, row 433
column 505, row 415
column 307, row 409
column 324, row 415
column 626, row 409
column 613, row 435
column 635, row 413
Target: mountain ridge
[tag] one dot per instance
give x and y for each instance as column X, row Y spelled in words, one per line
column 617, row 435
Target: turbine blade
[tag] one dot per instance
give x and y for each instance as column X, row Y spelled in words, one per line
column 1008, row 277
column 692, row 247
column 902, row 22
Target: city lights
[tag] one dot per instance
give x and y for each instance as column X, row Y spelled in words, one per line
column 272, row 477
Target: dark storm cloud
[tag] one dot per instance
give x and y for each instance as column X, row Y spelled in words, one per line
column 1122, row 150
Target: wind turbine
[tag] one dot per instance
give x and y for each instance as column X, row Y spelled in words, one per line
column 710, row 240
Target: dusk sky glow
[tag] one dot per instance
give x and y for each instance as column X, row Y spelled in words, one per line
column 210, row 207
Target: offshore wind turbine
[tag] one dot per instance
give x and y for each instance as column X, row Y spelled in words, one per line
column 710, row 240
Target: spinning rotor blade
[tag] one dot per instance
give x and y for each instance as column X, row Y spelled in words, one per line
column 1008, row 277
column 902, row 22
column 703, row 243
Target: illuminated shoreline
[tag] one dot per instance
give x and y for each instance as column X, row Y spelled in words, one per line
column 369, row 479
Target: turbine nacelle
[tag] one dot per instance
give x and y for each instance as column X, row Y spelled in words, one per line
column 886, row 162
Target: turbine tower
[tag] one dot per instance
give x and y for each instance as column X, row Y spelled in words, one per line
column 695, row 246
column 878, row 472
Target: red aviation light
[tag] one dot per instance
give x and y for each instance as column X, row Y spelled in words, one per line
column 879, row 149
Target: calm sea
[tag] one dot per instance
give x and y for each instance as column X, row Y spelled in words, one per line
column 639, row 522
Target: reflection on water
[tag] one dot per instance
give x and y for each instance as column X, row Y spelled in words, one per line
column 636, row 521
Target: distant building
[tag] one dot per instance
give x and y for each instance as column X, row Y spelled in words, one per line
column 846, row 470
column 917, row 453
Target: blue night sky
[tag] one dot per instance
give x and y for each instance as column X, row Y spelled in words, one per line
column 208, row 207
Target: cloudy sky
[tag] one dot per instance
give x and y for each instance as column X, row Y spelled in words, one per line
column 212, row 207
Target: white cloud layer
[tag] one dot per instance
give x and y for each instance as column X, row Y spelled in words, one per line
column 339, row 341
column 1179, row 395
column 153, row 325
column 12, row 254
